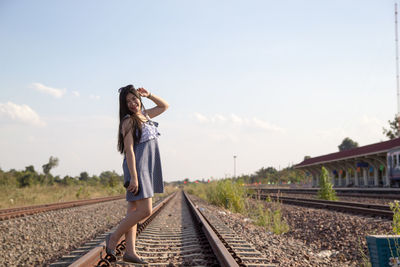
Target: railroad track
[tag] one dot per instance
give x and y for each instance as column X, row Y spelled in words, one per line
column 178, row 234
column 352, row 207
column 382, row 193
column 6, row 214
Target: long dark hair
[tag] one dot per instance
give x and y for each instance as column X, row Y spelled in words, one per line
column 136, row 123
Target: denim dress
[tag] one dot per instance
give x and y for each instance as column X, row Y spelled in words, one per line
column 148, row 163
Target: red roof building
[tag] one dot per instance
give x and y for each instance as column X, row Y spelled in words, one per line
column 361, row 166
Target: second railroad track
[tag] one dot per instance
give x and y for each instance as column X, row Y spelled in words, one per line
column 343, row 206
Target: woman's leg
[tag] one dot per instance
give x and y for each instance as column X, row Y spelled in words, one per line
column 130, row 236
column 143, row 210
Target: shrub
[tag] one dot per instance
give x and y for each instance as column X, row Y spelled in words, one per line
column 279, row 225
column 227, row 194
column 326, row 190
column 82, row 193
column 7, row 179
column 68, row 180
column 262, row 216
column 395, row 207
column 271, row 218
column 27, row 179
column 109, row 178
column 224, row 193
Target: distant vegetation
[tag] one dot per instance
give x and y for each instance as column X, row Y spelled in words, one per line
column 347, row 144
column 393, row 131
column 30, row 177
column 29, row 187
column 268, row 175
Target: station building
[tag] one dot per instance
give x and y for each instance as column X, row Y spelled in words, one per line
column 365, row 166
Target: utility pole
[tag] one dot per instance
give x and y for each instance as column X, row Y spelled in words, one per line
column 397, row 66
column 234, row 166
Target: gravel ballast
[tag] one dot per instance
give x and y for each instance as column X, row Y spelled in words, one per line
column 380, row 201
column 40, row 239
column 316, row 238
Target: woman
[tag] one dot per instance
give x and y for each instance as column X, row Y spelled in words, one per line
column 137, row 140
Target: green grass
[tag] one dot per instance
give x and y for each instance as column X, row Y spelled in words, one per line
column 223, row 193
column 12, row 197
column 232, row 196
column 395, row 207
column 44, row 194
column 268, row 214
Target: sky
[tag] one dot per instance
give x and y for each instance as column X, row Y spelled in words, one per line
column 266, row 81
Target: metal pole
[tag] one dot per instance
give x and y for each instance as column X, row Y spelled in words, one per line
column 234, row 166
column 397, row 66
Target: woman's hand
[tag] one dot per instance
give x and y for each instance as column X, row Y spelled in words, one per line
column 143, row 92
column 133, row 186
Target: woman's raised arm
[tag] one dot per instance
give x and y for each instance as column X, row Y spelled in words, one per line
column 162, row 105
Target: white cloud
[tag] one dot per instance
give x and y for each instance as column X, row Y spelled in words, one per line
column 76, row 93
column 267, row 126
column 235, row 121
column 57, row 93
column 218, row 117
column 200, row 117
column 20, row 113
column 224, row 137
column 95, row 97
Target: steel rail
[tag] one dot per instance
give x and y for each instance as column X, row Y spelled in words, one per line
column 221, row 252
column 354, row 207
column 6, row 214
column 385, row 193
column 344, row 203
column 95, row 256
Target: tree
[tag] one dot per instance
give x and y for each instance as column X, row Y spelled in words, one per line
column 84, row 176
column 393, row 131
column 30, row 168
column 8, row 179
column 347, row 144
column 53, row 162
column 57, row 179
column 94, row 180
column 263, row 173
column 112, row 179
column 27, row 179
column 68, row 180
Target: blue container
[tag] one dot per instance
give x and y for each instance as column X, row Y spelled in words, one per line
column 382, row 248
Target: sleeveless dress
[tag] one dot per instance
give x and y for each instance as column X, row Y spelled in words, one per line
column 148, row 163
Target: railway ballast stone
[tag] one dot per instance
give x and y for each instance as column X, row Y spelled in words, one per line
column 38, row 240
column 316, row 238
